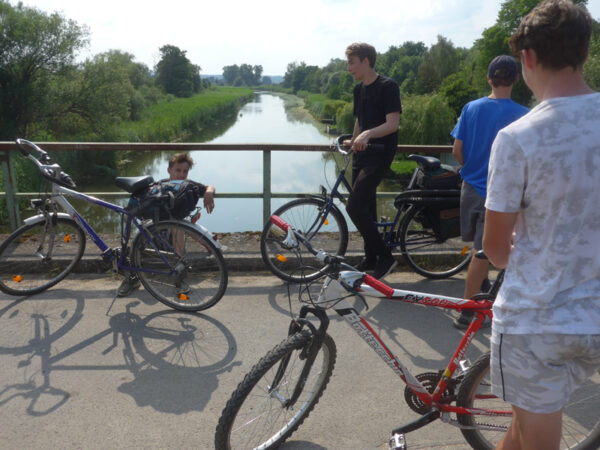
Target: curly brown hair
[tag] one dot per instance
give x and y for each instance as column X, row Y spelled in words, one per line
column 558, row 31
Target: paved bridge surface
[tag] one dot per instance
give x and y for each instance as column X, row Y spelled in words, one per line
column 80, row 368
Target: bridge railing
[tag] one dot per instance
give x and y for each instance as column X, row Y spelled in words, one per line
column 9, row 151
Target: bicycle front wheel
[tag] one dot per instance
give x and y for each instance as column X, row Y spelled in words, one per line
column 179, row 266
column 306, row 215
column 258, row 416
column 36, row 257
column 425, row 252
column 581, row 415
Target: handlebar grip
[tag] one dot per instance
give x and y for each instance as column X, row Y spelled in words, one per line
column 375, row 146
column 378, row 285
column 276, row 220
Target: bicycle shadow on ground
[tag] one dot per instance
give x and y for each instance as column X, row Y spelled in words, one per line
column 28, row 328
column 177, row 350
column 167, row 352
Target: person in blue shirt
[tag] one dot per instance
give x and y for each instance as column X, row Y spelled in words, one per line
column 474, row 133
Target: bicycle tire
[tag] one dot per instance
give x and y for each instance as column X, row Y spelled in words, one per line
column 252, row 399
column 424, row 252
column 26, row 268
column 296, row 265
column 201, row 278
column 581, row 416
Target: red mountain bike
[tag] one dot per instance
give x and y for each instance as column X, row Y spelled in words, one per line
column 282, row 389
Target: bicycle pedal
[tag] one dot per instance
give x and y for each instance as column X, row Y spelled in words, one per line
column 397, row 442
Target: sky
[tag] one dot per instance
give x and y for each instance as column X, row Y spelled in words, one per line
column 271, row 33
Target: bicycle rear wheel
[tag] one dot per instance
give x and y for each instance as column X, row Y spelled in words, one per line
column 36, row 257
column 179, row 266
column 425, row 252
column 581, row 416
column 324, row 233
column 256, row 415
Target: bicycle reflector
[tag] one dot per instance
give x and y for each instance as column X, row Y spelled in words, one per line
column 183, row 297
column 464, row 250
column 17, row 278
column 67, row 238
column 281, row 258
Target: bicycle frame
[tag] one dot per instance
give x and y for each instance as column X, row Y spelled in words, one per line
column 329, row 197
column 334, row 295
column 58, row 197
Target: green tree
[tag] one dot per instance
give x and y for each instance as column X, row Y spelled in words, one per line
column 34, row 47
column 494, row 42
column 425, row 120
column 457, row 92
column 176, row 74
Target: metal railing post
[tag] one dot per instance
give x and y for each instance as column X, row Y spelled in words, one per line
column 266, row 185
column 10, row 187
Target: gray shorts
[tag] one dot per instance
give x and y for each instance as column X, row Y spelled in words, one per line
column 538, row 372
column 472, row 215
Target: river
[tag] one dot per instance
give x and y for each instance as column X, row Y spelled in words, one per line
column 268, row 118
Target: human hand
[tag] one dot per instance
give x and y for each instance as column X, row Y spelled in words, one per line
column 361, row 141
column 209, row 201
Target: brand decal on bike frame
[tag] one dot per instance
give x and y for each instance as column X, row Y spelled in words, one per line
column 368, row 334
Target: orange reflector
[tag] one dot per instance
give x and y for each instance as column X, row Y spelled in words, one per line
column 281, row 258
column 67, row 238
column 464, row 250
column 326, row 222
column 183, row 297
column 17, row 278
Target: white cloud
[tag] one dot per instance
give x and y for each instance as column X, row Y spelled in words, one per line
column 272, row 33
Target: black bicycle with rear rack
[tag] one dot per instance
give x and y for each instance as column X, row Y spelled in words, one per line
column 425, row 229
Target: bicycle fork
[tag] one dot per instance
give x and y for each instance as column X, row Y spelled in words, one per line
column 309, row 353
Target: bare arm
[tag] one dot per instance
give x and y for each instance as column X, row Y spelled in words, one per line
column 209, row 199
column 497, row 235
column 360, row 141
column 457, row 151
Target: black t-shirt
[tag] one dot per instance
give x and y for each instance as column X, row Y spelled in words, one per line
column 371, row 104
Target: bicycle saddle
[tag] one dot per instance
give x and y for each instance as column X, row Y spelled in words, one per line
column 427, row 162
column 134, row 184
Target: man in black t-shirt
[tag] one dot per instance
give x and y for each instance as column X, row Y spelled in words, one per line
column 377, row 109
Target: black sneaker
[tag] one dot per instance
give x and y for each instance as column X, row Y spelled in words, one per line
column 366, row 264
column 127, row 286
column 384, row 266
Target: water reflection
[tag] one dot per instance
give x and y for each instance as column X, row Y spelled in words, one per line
column 267, row 119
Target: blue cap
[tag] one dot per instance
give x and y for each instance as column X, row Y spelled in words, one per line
column 503, row 66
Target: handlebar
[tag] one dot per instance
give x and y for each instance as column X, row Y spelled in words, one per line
column 339, row 144
column 50, row 171
column 336, row 261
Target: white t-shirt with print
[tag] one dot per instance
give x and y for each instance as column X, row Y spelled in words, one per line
column 546, row 166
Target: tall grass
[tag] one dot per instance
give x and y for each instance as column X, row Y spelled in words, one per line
column 180, row 117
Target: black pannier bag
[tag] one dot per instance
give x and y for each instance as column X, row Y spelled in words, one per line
column 445, row 220
column 166, row 199
column 444, row 177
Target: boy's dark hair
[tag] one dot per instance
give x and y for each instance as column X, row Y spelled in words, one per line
column 559, row 33
column 178, row 158
column 362, row 50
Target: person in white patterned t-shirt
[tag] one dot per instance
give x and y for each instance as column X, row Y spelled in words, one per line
column 543, row 225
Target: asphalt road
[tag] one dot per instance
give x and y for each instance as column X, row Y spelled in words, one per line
column 80, row 368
